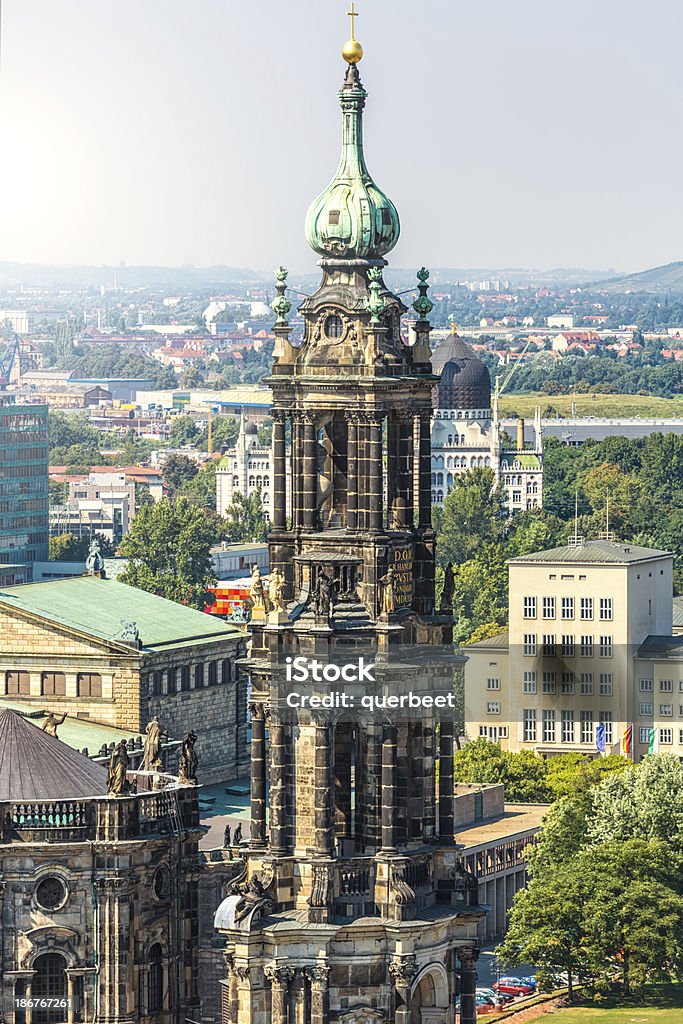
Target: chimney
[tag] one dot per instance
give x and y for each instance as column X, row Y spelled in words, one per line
column 520, row 434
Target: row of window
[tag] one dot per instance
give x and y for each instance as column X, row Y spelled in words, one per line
column 569, row 683
column 53, row 684
column 665, row 710
column 567, row 608
column 181, row 679
column 568, row 726
column 665, row 686
column 567, row 646
column 666, row 735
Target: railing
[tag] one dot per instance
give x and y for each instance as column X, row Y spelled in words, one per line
column 354, row 878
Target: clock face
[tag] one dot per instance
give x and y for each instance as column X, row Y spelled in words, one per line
column 50, row 893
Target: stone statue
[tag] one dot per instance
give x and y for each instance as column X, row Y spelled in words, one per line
column 94, row 563
column 254, row 897
column 237, row 838
column 52, row 722
column 227, row 836
column 129, row 632
column 388, row 594
column 446, row 604
column 187, row 765
column 276, row 586
column 467, row 881
column 258, row 600
column 117, row 783
column 153, row 738
column 323, row 596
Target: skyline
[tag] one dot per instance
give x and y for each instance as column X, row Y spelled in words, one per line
column 114, row 156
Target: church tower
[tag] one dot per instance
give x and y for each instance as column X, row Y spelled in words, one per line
column 352, row 905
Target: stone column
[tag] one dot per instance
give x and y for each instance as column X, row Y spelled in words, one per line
column 318, row 977
column 279, row 471
column 343, row 739
column 403, row 969
column 425, row 472
column 375, row 473
column 258, row 774
column 71, row 998
column 297, row 469
column 468, row 985
column 297, row 998
column 446, row 817
column 352, row 473
column 362, row 471
column 278, row 788
column 279, row 978
column 310, row 476
column 322, row 783
column 389, row 782
column 393, row 470
column 405, row 470
column 28, row 996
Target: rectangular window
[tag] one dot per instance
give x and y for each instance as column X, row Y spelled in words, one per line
column 586, row 607
column 213, row 673
column 586, row 726
column 646, row 710
column 605, row 646
column 17, row 684
column 586, row 647
column 666, row 736
column 567, row 726
column 185, row 677
column 645, row 685
column 493, row 684
column 529, row 685
column 171, row 680
column 567, row 683
column 53, row 684
column 529, row 725
column 567, row 607
column 666, row 685
column 483, row 731
column 226, row 671
column 156, row 683
column 605, row 608
column 548, row 682
column 503, row 732
column 89, row 684
column 530, row 644
column 644, row 735
column 567, row 646
column 586, row 684
column 549, row 726
column 666, row 710
column 606, row 684
column 548, row 607
column 493, row 707
column 198, row 676
column 606, row 720
column 529, row 607
column 549, row 645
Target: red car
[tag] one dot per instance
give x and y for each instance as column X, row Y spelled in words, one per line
column 514, row 986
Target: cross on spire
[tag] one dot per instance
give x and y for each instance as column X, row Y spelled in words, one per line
column 353, row 14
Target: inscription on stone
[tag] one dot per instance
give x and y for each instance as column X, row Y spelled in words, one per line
column 402, row 564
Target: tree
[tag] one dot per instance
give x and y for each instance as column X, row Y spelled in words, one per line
column 224, row 431
column 178, row 470
column 67, row 547
column 191, row 377
column 201, row 489
column 473, row 513
column 168, row 549
column 184, row 431
column 646, row 802
column 244, row 519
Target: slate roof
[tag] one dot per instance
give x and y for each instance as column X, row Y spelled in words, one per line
column 598, row 551
column 98, row 608
column 35, row 766
column 661, row 647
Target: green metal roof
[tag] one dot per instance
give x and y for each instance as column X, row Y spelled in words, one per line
column 499, row 642
column 98, row 607
column 596, row 551
column 79, row 733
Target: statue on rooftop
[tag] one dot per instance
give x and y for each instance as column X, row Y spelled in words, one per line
column 94, row 563
column 448, row 591
column 257, row 594
column 187, row 765
column 117, row 782
column 52, row 722
column 153, row 738
column 253, row 897
column 276, row 586
column 323, row 596
column 388, row 592
column 129, row 632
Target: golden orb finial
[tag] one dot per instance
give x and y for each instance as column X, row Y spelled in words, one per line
column 352, row 51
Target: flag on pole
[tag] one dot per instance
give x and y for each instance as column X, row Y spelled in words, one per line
column 652, row 743
column 600, row 738
column 627, row 741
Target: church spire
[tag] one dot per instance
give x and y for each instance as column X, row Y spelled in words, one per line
column 352, row 218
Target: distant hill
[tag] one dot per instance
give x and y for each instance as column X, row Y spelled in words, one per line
column 45, row 275
column 668, row 278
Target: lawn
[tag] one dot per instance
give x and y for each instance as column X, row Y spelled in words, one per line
column 665, row 1007
column 610, row 406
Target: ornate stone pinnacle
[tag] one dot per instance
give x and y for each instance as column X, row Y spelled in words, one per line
column 423, row 304
column 281, row 304
column 375, row 305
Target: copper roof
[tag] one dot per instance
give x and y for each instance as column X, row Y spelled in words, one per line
column 36, row 766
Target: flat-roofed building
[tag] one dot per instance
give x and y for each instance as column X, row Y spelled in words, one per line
column 24, row 521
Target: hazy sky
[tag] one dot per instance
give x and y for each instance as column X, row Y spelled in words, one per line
column 521, row 133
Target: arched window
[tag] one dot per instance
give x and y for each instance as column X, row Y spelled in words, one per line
column 480, row 461
column 49, row 984
column 487, row 461
column 156, row 979
column 473, row 462
column 439, row 478
column 433, row 478
column 462, row 439
column 235, row 481
column 450, row 439
column 252, row 482
column 439, row 496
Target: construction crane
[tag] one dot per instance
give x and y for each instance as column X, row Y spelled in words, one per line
column 12, row 352
column 500, row 388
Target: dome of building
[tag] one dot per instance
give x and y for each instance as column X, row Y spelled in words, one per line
column 352, row 218
column 251, row 428
column 465, row 380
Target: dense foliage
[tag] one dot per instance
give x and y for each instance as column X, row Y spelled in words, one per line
column 605, row 899
column 117, row 361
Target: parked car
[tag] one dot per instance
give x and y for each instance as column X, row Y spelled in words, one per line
column 498, row 997
column 515, row 986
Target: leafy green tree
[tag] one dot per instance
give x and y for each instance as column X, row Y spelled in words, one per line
column 191, row 377
column 168, row 549
column 244, row 519
column 646, row 802
column 224, row 431
column 184, row 431
column 178, row 470
column 473, row 513
column 66, row 431
column 67, row 547
column 201, row 488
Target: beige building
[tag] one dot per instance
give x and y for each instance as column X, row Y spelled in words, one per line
column 116, row 655
column 589, row 644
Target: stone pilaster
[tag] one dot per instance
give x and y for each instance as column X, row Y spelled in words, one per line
column 405, row 500
column 389, row 787
column 324, row 825
column 279, row 471
column 446, row 818
column 280, row 979
column 376, row 516
column 279, row 839
column 318, row 977
column 258, row 774
column 310, row 474
column 352, row 473
column 403, row 970
column 343, row 739
column 425, row 472
column 468, row 985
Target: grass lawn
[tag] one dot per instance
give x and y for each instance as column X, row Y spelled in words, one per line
column 665, row 1007
column 610, row 406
